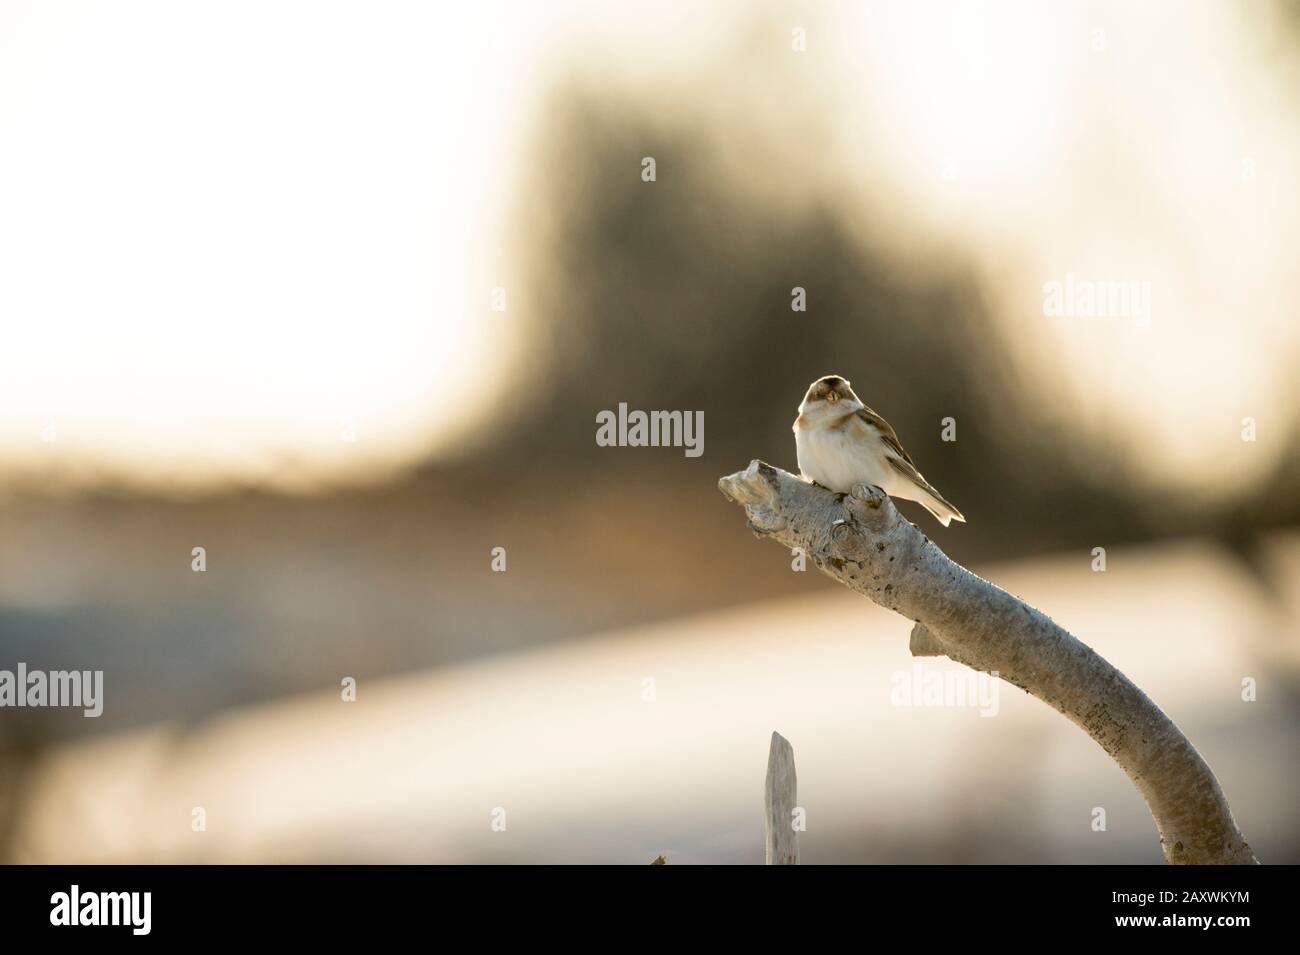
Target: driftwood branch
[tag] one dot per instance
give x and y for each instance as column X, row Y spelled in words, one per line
column 780, row 797
column 861, row 541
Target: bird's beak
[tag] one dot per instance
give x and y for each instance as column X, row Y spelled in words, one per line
column 832, row 397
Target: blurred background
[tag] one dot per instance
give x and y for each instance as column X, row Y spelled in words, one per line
column 336, row 291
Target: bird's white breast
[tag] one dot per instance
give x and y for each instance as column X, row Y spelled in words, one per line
column 839, row 457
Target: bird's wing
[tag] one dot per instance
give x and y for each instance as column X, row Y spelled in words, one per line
column 902, row 462
column 898, row 459
column 909, row 471
column 887, row 435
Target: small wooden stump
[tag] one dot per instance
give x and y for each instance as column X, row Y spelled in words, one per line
column 779, row 799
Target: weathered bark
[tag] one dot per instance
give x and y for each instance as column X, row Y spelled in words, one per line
column 780, row 797
column 861, row 541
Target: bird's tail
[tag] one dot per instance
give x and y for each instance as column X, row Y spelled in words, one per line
column 933, row 502
column 920, row 490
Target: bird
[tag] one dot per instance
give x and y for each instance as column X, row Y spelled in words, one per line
column 841, row 442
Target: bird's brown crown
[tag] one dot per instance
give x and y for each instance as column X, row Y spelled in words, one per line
column 829, row 388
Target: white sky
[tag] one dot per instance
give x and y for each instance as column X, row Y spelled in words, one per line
column 232, row 235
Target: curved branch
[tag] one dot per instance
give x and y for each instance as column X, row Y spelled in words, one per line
column 861, row 541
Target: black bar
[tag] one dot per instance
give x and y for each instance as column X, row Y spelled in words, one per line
column 326, row 903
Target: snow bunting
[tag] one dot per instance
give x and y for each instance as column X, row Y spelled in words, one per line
column 841, row 442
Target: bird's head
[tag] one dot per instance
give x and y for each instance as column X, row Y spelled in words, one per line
column 829, row 393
